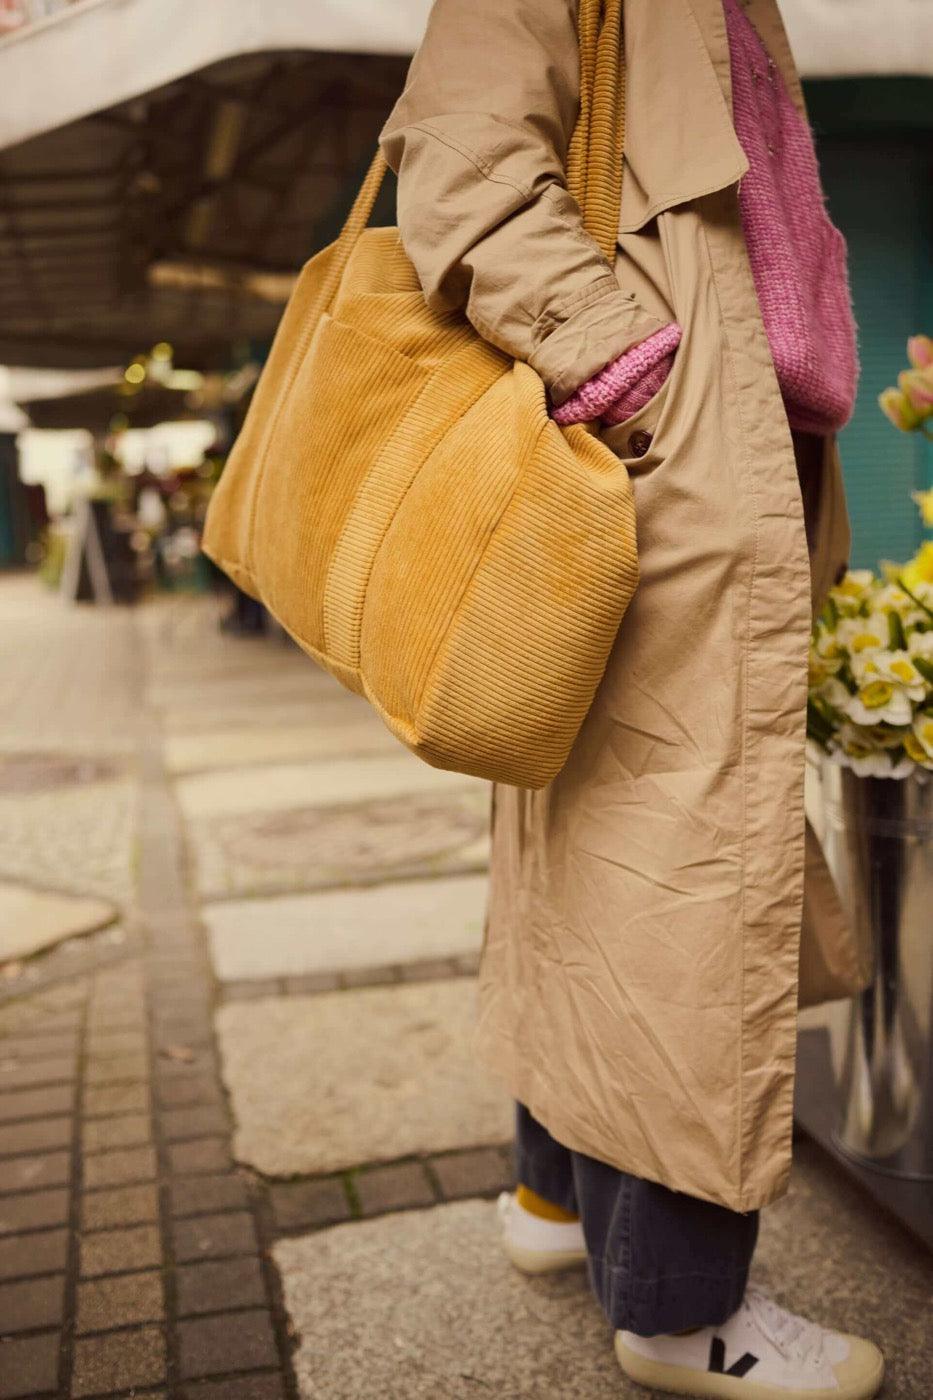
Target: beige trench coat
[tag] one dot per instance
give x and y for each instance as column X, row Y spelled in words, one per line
column 639, row 986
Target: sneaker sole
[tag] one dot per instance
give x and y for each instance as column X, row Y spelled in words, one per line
column 543, row 1261
column 680, row 1380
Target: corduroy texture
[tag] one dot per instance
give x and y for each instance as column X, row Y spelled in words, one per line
column 403, row 504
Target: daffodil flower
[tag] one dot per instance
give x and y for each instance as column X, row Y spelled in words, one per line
column 924, row 499
column 923, row 731
column 919, row 572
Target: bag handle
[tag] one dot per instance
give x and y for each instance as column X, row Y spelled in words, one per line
column 594, row 157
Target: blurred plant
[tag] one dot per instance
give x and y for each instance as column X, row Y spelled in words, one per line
column 910, row 405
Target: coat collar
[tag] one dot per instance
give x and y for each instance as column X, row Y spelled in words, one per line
column 680, row 142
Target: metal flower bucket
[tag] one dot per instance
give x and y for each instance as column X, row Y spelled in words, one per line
column 878, row 839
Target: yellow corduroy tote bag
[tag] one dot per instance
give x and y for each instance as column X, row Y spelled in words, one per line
column 403, row 505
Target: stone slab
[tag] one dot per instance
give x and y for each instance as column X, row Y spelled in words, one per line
column 419, row 1305
column 407, row 836
column 337, row 930
column 31, row 920
column 319, row 1084
column 424, row 1305
column 352, row 733
column 272, row 787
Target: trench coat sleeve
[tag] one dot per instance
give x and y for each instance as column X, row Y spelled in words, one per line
column 479, row 140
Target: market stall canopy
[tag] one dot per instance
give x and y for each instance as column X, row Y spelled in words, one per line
column 177, row 160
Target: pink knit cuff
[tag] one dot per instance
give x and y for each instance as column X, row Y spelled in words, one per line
column 635, row 398
column 616, row 379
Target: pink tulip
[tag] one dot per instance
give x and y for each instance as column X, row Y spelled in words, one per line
column 920, row 351
column 899, row 409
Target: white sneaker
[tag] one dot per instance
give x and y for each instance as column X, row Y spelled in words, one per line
column 761, row 1353
column 539, row 1246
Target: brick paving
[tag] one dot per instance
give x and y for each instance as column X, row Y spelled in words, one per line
column 134, row 1253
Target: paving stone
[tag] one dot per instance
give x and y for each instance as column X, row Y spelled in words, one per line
column 265, row 1387
column 180, row 1090
column 18, row 1072
column 429, row 970
column 38, row 1047
column 237, row 1342
column 367, row 977
column 476, row 1173
column 117, row 1099
column 402, row 922
column 30, row 1173
column 128, row 1069
column 103, row 1134
column 218, row 1287
column 117, row 1302
column 187, row 1033
column 36, row 1103
column 208, row 1154
column 120, row 1168
column 118, row 1361
column 201, row 1195
column 115, row 1251
column 38, row 1302
column 31, row 920
column 24, row 1255
column 394, row 1188
column 33, row 1210
column 123, row 1020
column 123, row 1205
column 300, row 1204
column 115, row 1044
column 214, row 1236
column 35, row 1135
column 358, row 732
column 183, row 1061
column 270, row 986
column 386, row 1292
column 179, row 1124
column 362, row 1076
column 277, row 787
column 29, row 1365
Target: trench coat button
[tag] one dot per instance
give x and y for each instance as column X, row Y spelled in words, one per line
column 639, row 442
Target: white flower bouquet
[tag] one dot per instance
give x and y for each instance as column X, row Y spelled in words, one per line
column 870, row 704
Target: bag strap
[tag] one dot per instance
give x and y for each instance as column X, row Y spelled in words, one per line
column 594, row 158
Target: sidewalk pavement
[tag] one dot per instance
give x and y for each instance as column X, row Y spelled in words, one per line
column 245, row 1153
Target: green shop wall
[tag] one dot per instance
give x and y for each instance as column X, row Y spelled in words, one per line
column 875, row 144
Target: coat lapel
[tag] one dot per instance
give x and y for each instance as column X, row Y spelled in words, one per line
column 680, row 141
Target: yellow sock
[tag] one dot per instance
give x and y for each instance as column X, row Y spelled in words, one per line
column 546, row 1210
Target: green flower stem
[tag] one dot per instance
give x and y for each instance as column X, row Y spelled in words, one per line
column 919, row 601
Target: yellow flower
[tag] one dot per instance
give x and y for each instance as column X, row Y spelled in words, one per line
column 923, row 729
column 915, row 750
column 876, row 694
column 897, row 406
column 924, row 500
column 920, row 569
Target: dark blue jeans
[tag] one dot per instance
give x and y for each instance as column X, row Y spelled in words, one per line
column 659, row 1261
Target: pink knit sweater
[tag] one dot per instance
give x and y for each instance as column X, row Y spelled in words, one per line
column 797, row 257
